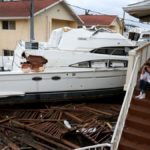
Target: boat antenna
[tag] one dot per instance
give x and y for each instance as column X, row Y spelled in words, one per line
column 32, row 38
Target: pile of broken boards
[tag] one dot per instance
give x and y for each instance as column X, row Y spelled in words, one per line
column 57, row 128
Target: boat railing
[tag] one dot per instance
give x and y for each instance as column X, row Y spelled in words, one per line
column 137, row 58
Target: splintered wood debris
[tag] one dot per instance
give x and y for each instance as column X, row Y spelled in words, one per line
column 57, row 128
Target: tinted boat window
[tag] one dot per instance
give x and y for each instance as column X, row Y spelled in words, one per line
column 121, row 51
column 91, row 64
column 118, row 63
column 105, row 63
column 99, row 64
column 86, row 64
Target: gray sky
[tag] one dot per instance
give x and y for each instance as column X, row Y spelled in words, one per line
column 110, row 7
column 113, row 7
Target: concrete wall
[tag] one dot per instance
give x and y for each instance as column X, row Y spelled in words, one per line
column 9, row 38
column 116, row 26
column 49, row 19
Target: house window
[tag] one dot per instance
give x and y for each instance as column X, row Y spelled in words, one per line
column 7, row 52
column 9, row 25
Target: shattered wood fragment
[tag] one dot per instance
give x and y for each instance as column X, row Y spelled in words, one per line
column 76, row 119
column 109, row 125
column 53, row 142
column 97, row 111
column 39, row 120
column 6, row 119
column 31, row 142
column 5, row 148
column 8, row 142
column 58, row 127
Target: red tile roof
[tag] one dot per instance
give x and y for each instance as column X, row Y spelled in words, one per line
column 97, row 19
column 21, row 8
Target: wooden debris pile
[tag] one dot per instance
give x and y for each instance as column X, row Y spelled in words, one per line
column 57, row 128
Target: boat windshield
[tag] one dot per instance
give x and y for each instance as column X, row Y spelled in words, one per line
column 121, row 51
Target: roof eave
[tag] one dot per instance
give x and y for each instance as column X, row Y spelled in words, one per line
column 139, row 10
column 66, row 6
column 14, row 18
column 79, row 20
column 46, row 8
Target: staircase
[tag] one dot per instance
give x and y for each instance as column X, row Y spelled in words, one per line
column 136, row 133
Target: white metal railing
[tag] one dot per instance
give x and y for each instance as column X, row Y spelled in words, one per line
column 95, row 147
column 144, row 53
column 137, row 58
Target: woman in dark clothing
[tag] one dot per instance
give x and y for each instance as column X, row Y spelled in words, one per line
column 144, row 81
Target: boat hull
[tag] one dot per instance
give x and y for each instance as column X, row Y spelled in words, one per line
column 64, row 96
column 53, row 86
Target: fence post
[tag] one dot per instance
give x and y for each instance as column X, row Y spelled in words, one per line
column 131, row 59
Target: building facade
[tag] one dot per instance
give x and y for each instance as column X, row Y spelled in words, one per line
column 48, row 15
column 103, row 21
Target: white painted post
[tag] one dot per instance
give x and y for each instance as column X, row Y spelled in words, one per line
column 130, row 67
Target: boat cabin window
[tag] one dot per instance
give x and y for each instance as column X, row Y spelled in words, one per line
column 102, row 64
column 82, row 65
column 99, row 64
column 121, row 51
column 134, row 36
column 118, row 63
column 146, row 37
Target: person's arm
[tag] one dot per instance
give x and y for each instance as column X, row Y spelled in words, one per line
column 144, row 69
column 143, row 75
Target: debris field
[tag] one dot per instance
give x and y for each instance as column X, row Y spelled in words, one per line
column 62, row 127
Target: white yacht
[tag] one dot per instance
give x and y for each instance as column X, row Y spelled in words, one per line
column 75, row 66
column 139, row 37
column 102, row 41
column 67, row 75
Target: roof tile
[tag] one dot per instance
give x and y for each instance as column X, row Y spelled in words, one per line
column 97, row 19
column 21, row 8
